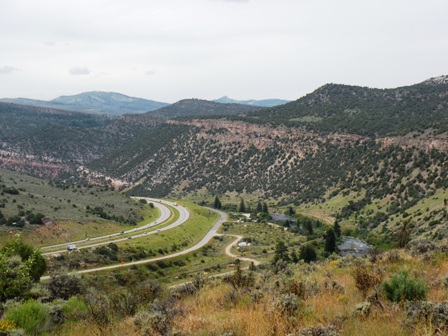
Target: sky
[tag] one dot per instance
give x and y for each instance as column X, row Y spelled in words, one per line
column 168, row 50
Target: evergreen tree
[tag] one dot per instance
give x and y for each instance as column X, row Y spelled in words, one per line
column 337, row 229
column 330, row 241
column 308, row 254
column 217, row 203
column 290, row 211
column 265, row 208
column 242, row 207
column 259, row 207
column 281, row 252
column 309, row 227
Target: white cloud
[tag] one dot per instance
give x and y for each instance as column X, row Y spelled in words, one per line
column 79, row 71
column 8, row 69
column 150, row 73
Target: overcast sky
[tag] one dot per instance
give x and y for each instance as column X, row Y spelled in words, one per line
column 167, row 50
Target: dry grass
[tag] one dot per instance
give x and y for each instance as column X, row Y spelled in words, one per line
column 330, row 299
column 211, row 313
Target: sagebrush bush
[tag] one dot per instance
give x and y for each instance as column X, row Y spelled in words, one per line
column 403, row 288
column 63, row 285
column 74, row 309
column 366, row 279
column 288, row 304
column 32, row 316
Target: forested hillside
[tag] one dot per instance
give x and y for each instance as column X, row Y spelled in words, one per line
column 365, row 111
column 49, row 142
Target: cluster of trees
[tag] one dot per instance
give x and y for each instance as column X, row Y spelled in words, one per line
column 307, row 254
column 20, row 219
column 99, row 211
column 261, row 209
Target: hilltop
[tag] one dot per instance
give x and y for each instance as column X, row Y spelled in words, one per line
column 365, row 111
column 202, row 108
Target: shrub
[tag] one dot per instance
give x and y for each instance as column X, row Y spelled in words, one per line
column 152, row 323
column 288, row 304
column 239, row 279
column 32, row 316
column 157, row 320
column 401, row 288
column 74, row 309
column 98, row 308
column 433, row 314
column 63, row 285
column 365, row 279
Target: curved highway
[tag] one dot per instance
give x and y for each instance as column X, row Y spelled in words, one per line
column 165, row 213
column 213, row 232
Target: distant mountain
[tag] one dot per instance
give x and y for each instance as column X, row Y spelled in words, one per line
column 365, row 111
column 252, row 102
column 198, row 107
column 109, row 103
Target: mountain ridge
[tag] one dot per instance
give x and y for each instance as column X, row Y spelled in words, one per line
column 201, row 108
column 252, row 102
column 95, row 102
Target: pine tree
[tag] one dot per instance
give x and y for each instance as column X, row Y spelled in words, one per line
column 309, row 227
column 281, row 252
column 337, row 229
column 330, row 241
column 217, row 203
column 259, row 207
column 265, row 208
column 290, row 211
column 242, row 207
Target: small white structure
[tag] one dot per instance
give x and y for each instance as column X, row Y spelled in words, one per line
column 242, row 244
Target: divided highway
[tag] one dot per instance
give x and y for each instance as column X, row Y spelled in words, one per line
column 184, row 215
column 165, row 214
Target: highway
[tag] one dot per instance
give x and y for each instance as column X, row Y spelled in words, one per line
column 210, row 234
column 165, row 213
